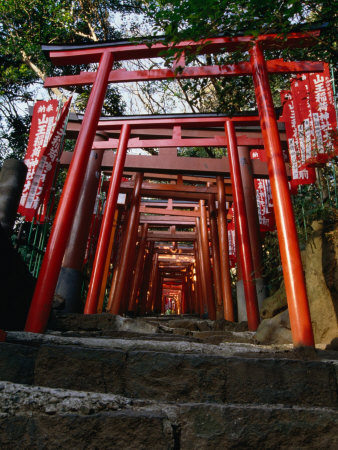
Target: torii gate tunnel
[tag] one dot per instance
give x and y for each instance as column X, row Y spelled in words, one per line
column 105, row 54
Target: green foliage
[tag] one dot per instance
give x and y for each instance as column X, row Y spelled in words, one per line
column 183, row 20
column 24, row 26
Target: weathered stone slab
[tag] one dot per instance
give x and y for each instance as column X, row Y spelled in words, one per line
column 166, row 376
column 172, row 377
column 95, row 370
column 257, row 427
column 107, row 430
column 17, row 362
column 281, row 381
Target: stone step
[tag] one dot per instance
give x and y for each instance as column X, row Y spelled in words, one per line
column 171, row 371
column 39, row 417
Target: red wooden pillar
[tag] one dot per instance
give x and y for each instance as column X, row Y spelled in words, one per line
column 71, row 278
column 153, row 285
column 107, row 224
column 197, row 280
column 107, row 264
column 157, row 302
column 146, row 278
column 287, row 235
column 253, row 221
column 243, row 231
column 206, row 262
column 43, row 296
column 139, row 266
column 228, row 306
column 215, row 256
column 119, row 295
column 201, row 271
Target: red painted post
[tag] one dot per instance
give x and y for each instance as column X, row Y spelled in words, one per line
column 43, row 295
column 107, row 224
column 142, row 306
column 228, row 306
column 243, row 230
column 71, row 276
column 201, row 270
column 206, row 262
column 139, row 267
column 215, row 256
column 119, row 295
column 197, row 281
column 287, row 235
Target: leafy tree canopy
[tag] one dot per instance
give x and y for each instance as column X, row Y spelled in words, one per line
column 24, row 26
column 181, row 19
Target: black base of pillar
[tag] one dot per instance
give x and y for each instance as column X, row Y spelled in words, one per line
column 67, row 297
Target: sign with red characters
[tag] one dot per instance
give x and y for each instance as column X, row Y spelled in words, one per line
column 310, row 124
column 263, row 197
column 43, row 122
column 232, row 239
column 43, row 149
column 323, row 116
column 299, row 174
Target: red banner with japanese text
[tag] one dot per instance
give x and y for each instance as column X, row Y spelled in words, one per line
column 43, row 122
column 232, row 239
column 266, row 214
column 311, row 123
column 323, row 116
column 296, row 143
column 49, row 161
column 41, row 179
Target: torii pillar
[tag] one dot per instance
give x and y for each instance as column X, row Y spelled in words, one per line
column 287, row 234
column 43, row 295
column 254, row 232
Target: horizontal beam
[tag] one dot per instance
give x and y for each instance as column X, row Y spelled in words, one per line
column 172, row 164
column 248, row 137
column 167, row 220
column 239, row 69
column 193, row 121
column 174, row 188
column 161, row 236
column 169, row 212
column 85, row 54
column 216, row 141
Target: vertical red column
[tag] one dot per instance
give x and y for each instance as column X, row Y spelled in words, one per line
column 243, row 230
column 119, row 295
column 287, row 235
column 228, row 306
column 215, row 256
column 107, row 223
column 139, row 267
column 206, row 262
column 43, row 296
column 71, row 277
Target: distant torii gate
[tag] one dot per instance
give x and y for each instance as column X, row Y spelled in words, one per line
column 105, row 54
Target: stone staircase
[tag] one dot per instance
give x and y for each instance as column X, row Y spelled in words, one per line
column 108, row 382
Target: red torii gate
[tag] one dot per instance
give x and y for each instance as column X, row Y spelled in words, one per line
column 105, row 54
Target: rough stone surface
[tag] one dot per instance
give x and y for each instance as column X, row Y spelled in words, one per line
column 235, row 374
column 274, row 304
column 275, row 331
column 116, row 429
column 323, row 314
column 36, row 418
column 111, row 387
column 92, row 322
column 257, row 427
column 330, row 263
